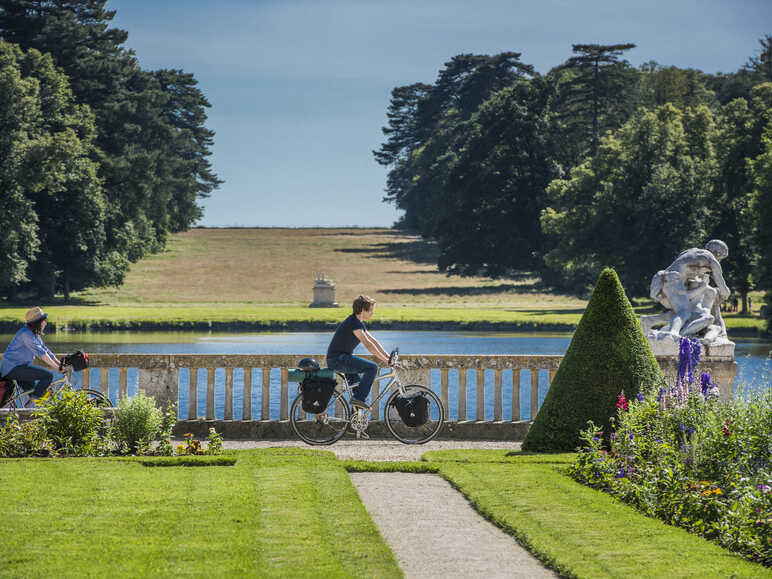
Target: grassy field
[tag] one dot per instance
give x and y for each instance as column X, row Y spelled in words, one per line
column 295, row 513
column 266, row 277
column 278, row 266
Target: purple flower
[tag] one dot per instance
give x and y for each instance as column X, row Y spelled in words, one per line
column 639, row 396
column 695, row 359
column 622, row 472
column 763, row 488
column 631, row 436
column 684, row 358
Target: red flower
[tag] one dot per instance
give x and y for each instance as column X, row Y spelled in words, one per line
column 622, row 401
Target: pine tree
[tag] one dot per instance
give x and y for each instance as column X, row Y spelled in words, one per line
column 594, row 92
column 608, row 354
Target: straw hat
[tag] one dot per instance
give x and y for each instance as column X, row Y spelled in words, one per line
column 35, row 315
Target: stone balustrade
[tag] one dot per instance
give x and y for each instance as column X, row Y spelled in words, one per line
column 493, row 383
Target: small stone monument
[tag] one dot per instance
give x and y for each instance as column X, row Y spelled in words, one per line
column 324, row 293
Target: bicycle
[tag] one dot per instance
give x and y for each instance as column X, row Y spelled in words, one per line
column 17, row 397
column 329, row 425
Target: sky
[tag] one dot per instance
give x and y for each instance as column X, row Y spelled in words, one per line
column 299, row 88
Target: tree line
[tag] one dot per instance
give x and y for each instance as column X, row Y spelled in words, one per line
column 99, row 159
column 594, row 163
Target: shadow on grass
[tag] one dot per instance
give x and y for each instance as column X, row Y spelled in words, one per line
column 417, row 251
column 459, row 290
column 552, row 311
column 43, row 302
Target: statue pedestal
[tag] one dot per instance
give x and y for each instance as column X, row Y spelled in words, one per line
column 717, row 359
column 665, row 344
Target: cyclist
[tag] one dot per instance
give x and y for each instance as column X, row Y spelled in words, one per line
column 21, row 352
column 340, row 354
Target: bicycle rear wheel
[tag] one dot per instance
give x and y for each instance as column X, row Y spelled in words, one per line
column 415, row 434
column 96, row 398
column 323, row 428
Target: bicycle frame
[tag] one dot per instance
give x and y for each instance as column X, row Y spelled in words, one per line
column 395, row 382
column 18, row 396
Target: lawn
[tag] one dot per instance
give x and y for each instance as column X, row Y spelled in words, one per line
column 293, row 512
column 274, row 513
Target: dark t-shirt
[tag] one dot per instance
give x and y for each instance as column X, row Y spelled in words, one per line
column 344, row 341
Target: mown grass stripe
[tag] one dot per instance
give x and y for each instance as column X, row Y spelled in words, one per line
column 581, row 532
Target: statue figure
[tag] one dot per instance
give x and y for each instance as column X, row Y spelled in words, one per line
column 694, row 307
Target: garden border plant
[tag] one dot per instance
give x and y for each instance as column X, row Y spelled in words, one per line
column 679, row 454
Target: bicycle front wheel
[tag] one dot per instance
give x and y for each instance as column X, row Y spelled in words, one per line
column 323, row 428
column 419, row 433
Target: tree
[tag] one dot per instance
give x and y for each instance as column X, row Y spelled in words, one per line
column 608, row 354
column 151, row 140
column 594, row 89
column 47, row 169
column 646, row 195
column 489, row 222
column 761, row 202
column 427, row 126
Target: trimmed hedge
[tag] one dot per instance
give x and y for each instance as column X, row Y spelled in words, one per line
column 608, row 354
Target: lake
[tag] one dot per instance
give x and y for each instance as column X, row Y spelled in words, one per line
column 752, row 358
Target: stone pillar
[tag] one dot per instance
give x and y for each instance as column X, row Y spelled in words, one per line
column 159, row 383
column 324, row 293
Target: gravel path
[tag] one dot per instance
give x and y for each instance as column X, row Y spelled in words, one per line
column 431, row 527
column 434, row 532
column 381, row 450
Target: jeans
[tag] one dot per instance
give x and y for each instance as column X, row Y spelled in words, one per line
column 29, row 376
column 353, row 366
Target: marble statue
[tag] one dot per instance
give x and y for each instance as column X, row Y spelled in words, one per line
column 693, row 306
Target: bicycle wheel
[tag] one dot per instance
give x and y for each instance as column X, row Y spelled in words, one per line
column 97, row 398
column 415, row 434
column 323, row 428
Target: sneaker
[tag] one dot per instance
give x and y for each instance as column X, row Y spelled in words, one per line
column 358, row 404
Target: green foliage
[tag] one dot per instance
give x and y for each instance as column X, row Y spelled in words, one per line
column 607, row 354
column 28, row 438
column 659, row 168
column 138, row 424
column 702, row 465
column 214, row 442
column 103, row 191
column 73, row 423
column 761, row 207
column 489, row 220
column 168, row 421
column 593, row 94
column 190, row 461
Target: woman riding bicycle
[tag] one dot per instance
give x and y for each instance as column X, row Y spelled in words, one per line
column 347, row 336
column 21, row 352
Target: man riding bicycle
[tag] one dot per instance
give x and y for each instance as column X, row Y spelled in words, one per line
column 349, row 334
column 21, row 352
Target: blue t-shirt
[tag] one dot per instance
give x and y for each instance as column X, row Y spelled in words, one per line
column 25, row 345
column 344, row 341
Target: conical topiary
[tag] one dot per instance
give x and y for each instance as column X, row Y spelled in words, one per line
column 608, row 354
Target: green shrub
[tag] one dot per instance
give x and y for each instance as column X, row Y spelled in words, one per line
column 608, row 354
column 214, row 442
column 73, row 423
column 168, row 421
column 24, row 438
column 138, row 424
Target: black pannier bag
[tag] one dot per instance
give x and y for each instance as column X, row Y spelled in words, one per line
column 413, row 409
column 78, row 360
column 317, row 392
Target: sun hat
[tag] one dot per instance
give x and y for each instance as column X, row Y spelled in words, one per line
column 35, row 315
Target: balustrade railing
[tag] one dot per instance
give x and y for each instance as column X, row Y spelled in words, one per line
column 255, row 387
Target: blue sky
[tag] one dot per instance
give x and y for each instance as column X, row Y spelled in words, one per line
column 299, row 88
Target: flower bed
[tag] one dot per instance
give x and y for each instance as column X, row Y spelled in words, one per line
column 679, row 454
